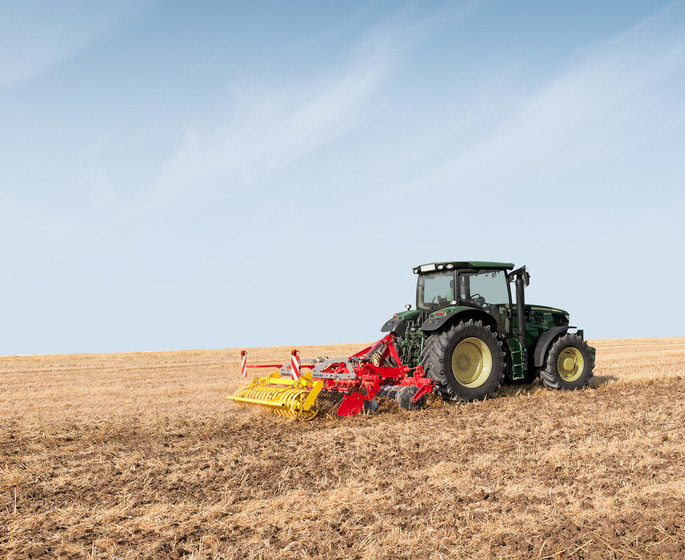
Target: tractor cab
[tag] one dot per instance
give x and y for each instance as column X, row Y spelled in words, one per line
column 448, row 285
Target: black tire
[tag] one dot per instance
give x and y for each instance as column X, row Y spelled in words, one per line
column 569, row 364
column 428, row 350
column 473, row 373
column 404, row 396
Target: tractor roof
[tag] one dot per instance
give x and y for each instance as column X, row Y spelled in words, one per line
column 449, row 265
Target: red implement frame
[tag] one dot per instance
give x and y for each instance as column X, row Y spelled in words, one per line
column 375, row 366
column 360, row 377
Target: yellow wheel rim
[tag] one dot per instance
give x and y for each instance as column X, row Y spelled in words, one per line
column 472, row 362
column 570, row 364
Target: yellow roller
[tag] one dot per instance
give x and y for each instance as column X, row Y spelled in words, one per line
column 294, row 399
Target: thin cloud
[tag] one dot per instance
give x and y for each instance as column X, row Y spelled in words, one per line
column 613, row 96
column 37, row 37
column 272, row 132
column 265, row 132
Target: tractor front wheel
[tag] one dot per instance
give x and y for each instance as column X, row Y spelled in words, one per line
column 466, row 361
column 568, row 365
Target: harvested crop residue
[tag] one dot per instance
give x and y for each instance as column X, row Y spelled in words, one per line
column 141, row 456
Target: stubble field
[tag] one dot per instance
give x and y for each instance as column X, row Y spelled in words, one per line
column 141, row 456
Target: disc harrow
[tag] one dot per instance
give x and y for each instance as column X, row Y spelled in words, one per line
column 344, row 387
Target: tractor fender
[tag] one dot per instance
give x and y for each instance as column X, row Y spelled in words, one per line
column 395, row 326
column 543, row 342
column 454, row 314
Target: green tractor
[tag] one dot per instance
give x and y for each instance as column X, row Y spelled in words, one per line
column 470, row 336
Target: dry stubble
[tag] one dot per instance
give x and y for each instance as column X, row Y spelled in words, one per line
column 141, row 456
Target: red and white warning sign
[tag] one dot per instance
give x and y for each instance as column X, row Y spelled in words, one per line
column 294, row 365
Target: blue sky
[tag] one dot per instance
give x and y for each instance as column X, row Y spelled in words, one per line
column 212, row 174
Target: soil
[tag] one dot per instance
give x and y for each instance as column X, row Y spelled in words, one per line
column 533, row 473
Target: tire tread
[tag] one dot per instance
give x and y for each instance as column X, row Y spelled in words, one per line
column 434, row 359
column 549, row 376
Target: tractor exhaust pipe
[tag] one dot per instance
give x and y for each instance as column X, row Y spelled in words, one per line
column 520, row 311
column 522, row 281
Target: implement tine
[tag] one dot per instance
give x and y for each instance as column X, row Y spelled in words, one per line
column 287, row 397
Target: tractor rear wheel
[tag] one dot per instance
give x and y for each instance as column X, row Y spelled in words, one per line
column 568, row 365
column 466, row 361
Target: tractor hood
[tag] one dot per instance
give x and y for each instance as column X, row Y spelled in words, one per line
column 544, row 316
